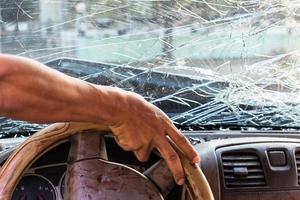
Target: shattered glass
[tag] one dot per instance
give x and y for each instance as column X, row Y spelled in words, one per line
column 206, row 63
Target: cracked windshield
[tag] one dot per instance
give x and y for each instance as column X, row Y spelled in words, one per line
column 209, row 64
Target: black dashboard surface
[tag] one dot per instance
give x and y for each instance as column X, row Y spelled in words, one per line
column 252, row 168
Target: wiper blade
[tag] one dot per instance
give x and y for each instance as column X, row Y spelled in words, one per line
column 223, row 127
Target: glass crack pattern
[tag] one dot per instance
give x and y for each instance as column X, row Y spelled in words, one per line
column 204, row 62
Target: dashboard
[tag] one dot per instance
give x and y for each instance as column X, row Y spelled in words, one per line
column 44, row 180
column 252, row 167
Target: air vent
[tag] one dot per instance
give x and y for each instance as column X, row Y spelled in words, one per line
column 242, row 169
column 297, row 155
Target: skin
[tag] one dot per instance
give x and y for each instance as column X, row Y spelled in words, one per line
column 33, row 92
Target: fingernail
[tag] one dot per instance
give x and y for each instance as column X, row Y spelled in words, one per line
column 181, row 181
column 196, row 159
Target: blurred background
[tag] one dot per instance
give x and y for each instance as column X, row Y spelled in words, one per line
column 223, row 36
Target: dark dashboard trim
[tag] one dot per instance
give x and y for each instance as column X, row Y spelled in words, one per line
column 210, row 163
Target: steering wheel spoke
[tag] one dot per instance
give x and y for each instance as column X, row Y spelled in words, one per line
column 87, row 145
column 160, row 174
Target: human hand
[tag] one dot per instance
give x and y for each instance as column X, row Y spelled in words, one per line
column 141, row 126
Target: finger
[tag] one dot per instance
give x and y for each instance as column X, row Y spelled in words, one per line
column 122, row 145
column 171, row 158
column 143, row 154
column 183, row 143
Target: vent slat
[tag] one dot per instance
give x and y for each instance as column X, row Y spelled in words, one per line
column 297, row 156
column 255, row 170
column 248, row 177
column 247, row 184
column 229, row 158
column 242, row 169
column 241, row 164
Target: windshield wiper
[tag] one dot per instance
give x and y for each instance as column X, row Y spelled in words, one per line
column 223, row 127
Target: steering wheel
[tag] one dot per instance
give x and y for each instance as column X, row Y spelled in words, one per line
column 84, row 162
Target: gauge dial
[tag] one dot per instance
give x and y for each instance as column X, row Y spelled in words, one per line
column 34, row 187
column 62, row 185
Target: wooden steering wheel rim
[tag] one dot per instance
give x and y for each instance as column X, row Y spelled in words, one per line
column 15, row 166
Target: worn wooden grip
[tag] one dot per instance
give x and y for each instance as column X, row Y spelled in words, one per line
column 13, row 169
column 195, row 177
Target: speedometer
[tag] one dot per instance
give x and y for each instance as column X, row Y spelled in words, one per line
column 62, row 185
column 34, row 187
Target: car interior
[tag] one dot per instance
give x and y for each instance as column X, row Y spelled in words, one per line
column 225, row 72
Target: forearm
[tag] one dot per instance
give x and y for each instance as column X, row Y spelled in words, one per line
column 33, row 92
column 30, row 91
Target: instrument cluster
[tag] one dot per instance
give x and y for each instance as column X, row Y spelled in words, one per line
column 43, row 183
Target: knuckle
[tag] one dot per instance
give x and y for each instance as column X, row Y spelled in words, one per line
column 133, row 145
column 142, row 158
column 182, row 141
column 144, row 142
column 125, row 145
column 125, row 148
column 181, row 138
column 122, row 143
column 178, row 175
column 173, row 157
